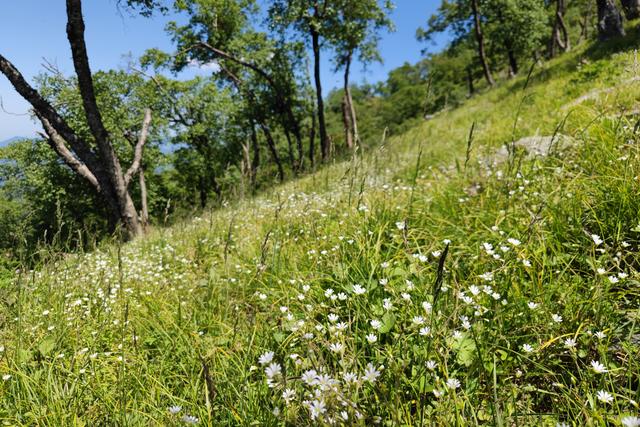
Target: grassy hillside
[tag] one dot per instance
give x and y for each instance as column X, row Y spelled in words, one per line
column 414, row 285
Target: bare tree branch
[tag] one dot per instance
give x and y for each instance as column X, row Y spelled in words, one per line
column 58, row 145
column 139, row 149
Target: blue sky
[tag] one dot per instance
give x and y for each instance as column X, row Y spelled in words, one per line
column 33, row 31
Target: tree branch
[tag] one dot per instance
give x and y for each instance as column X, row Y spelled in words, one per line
column 175, row 102
column 139, row 149
column 42, row 107
column 239, row 61
column 57, row 143
column 75, row 35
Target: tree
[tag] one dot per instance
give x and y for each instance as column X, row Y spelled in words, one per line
column 311, row 20
column 357, row 30
column 559, row 33
column 122, row 99
column 517, row 28
column 462, row 18
column 218, row 31
column 609, row 20
column 246, row 51
column 95, row 160
column 631, row 9
column 480, row 39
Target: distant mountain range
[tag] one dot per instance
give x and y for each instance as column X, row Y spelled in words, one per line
column 10, row 140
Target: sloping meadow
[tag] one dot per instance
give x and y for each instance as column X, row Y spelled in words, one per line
column 430, row 281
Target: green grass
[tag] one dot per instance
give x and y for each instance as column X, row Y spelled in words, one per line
column 182, row 317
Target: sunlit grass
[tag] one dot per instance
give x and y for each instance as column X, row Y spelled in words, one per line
column 399, row 288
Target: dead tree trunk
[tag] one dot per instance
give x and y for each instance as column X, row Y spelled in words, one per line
column 480, row 39
column 100, row 167
column 609, row 20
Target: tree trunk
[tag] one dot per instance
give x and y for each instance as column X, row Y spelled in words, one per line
column 354, row 118
column 203, row 190
column 346, row 121
column 480, row 39
column 255, row 162
column 513, row 62
column 631, row 9
column 312, row 140
column 116, row 182
column 274, row 151
column 472, row 88
column 609, row 20
column 324, row 140
column 559, row 33
column 348, row 110
column 298, row 136
column 565, row 42
column 144, row 208
column 284, row 107
column 584, row 24
column 292, row 159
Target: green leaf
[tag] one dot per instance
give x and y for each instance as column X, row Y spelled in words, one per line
column 466, row 350
column 23, row 356
column 46, row 346
column 388, row 321
column 279, row 337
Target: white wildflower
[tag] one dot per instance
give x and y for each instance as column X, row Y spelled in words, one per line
column 266, row 358
column 189, row 419
column 358, row 290
column 453, row 383
column 604, row 396
column 288, row 395
column 598, row 367
column 527, row 348
column 371, row 373
column 630, row 421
